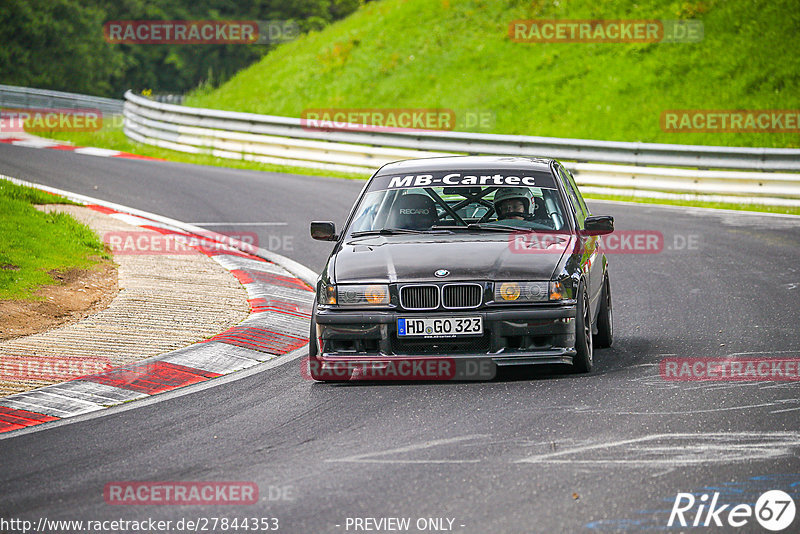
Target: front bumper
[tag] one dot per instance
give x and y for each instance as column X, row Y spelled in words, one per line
column 518, row 336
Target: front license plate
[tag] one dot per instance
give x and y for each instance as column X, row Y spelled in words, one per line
column 440, row 327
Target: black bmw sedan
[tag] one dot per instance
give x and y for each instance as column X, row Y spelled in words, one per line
column 482, row 258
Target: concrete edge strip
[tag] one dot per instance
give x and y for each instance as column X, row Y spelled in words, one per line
column 35, row 142
column 280, row 307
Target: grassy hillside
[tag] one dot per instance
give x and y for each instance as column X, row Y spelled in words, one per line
column 457, row 54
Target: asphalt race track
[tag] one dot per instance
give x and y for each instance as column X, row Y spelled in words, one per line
column 531, row 451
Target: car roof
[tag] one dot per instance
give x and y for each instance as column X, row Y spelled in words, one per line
column 466, row 163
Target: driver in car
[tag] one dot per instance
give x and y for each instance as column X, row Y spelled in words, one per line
column 513, row 203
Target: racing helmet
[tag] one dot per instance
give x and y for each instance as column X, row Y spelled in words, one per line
column 507, row 193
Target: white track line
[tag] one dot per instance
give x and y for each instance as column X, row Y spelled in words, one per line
column 696, row 209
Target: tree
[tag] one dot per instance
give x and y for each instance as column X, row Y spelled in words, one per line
column 59, row 44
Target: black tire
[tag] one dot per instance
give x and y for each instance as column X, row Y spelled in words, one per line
column 314, row 363
column 312, row 339
column 582, row 361
column 605, row 319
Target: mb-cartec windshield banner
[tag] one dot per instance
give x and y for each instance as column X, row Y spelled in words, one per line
column 465, row 179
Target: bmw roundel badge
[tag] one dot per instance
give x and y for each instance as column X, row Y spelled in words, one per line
column 441, row 273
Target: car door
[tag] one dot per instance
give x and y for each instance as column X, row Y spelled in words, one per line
column 593, row 271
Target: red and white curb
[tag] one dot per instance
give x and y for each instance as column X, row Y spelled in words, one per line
column 37, row 142
column 280, row 311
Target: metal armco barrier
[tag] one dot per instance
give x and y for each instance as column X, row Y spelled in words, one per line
column 287, row 141
column 26, row 97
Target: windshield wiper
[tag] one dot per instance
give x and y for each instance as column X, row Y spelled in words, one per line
column 484, row 226
column 498, row 227
column 395, row 231
column 490, row 226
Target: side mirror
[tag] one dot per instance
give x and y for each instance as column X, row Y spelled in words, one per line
column 324, row 231
column 598, row 225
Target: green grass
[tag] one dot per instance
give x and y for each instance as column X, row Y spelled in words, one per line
column 700, row 204
column 13, row 191
column 457, row 54
column 33, row 243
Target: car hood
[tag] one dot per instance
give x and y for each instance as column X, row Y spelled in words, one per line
column 416, row 258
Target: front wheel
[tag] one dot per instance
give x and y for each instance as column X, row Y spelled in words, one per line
column 605, row 319
column 582, row 361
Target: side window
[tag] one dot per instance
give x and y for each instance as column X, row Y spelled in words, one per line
column 578, row 193
column 574, row 196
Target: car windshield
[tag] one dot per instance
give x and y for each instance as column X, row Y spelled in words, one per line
column 470, row 209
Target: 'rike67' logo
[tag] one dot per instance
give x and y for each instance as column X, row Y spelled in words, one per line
column 774, row 510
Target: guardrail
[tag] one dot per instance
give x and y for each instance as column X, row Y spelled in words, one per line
column 287, row 141
column 26, row 97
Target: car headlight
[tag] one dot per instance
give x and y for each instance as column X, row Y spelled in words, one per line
column 357, row 295
column 327, row 294
column 521, row 292
column 532, row 291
